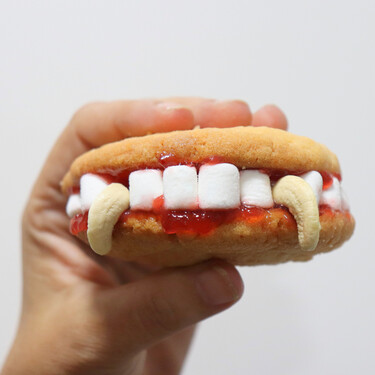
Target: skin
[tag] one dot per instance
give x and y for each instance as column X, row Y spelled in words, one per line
column 85, row 314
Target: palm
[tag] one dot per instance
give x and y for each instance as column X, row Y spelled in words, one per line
column 68, row 260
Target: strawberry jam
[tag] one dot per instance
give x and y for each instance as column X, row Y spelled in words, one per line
column 168, row 160
column 327, row 180
column 194, row 222
column 199, row 222
column 78, row 223
column 191, row 221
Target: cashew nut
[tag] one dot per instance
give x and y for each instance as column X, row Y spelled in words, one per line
column 104, row 214
column 296, row 194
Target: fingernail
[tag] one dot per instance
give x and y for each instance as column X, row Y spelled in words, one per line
column 169, row 106
column 217, row 287
column 231, row 102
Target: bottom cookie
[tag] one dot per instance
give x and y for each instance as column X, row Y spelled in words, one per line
column 270, row 238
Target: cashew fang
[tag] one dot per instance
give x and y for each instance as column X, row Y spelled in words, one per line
column 296, row 194
column 104, row 214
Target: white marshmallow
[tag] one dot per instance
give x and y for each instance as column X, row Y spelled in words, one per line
column 219, row 186
column 180, row 187
column 332, row 196
column 73, row 206
column 91, row 186
column 315, row 180
column 255, row 189
column 344, row 200
column 144, row 186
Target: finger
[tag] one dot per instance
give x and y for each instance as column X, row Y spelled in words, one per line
column 98, row 123
column 105, row 122
column 217, row 113
column 270, row 116
column 144, row 312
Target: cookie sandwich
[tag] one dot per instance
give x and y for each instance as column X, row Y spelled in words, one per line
column 249, row 195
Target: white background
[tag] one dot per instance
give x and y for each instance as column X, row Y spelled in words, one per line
column 315, row 59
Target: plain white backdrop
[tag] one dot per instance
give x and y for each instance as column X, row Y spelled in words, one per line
column 315, row 59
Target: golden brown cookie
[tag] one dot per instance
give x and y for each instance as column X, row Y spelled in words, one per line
column 245, row 147
column 242, row 235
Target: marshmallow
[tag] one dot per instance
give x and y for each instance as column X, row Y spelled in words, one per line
column 73, row 206
column 315, row 180
column 219, row 186
column 180, row 187
column 91, row 186
column 255, row 189
column 332, row 196
column 344, row 200
column 145, row 185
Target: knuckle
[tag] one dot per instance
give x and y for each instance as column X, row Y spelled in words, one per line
column 84, row 111
column 159, row 314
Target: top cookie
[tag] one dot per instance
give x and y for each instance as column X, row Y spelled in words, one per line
column 245, row 147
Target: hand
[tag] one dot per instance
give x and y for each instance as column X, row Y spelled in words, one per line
column 86, row 314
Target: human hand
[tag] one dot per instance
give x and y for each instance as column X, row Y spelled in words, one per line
column 86, row 314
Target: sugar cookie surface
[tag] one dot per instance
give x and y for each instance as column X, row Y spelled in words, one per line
column 245, row 147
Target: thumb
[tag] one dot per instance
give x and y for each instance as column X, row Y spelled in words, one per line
column 141, row 313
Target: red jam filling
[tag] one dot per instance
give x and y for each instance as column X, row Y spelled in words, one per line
column 192, row 222
column 78, row 223
column 199, row 222
column 328, row 179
